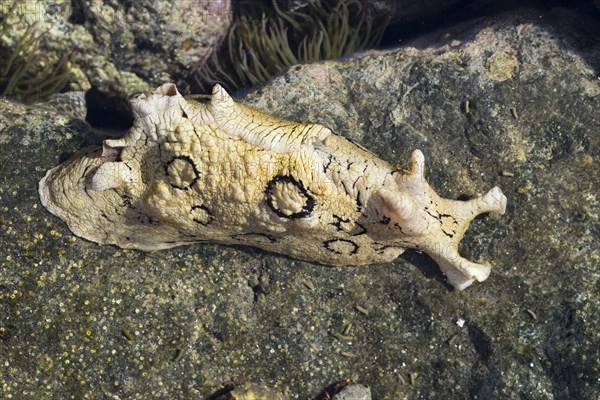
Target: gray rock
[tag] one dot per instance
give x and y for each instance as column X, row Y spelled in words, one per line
column 70, row 104
column 354, row 392
column 80, row 320
column 156, row 40
column 121, row 47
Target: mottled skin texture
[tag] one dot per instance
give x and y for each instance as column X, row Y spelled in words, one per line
column 220, row 171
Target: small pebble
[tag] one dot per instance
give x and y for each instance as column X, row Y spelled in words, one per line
column 353, row 392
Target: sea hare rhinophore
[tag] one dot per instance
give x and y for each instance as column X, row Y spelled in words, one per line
column 219, row 171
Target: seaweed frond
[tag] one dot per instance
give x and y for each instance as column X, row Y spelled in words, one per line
column 257, row 49
column 26, row 72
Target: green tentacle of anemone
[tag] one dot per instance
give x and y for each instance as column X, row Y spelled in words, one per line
column 26, row 72
column 259, row 47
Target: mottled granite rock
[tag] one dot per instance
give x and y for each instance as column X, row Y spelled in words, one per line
column 120, row 46
column 86, row 321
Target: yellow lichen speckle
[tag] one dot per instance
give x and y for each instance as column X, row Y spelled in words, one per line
column 502, row 66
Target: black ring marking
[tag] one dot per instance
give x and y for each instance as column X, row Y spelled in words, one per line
column 440, row 218
column 339, row 221
column 191, row 163
column 126, row 201
column 332, row 242
column 329, row 160
column 359, row 203
column 308, row 205
column 206, row 210
column 357, row 228
column 397, row 226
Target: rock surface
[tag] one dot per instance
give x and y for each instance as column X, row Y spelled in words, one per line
column 354, row 392
column 511, row 101
column 121, row 47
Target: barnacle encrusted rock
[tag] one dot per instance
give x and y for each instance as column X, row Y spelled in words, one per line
column 191, row 171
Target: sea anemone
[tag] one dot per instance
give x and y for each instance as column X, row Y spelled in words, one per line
column 26, row 72
column 256, row 48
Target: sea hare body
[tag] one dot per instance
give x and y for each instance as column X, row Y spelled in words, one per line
column 189, row 172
